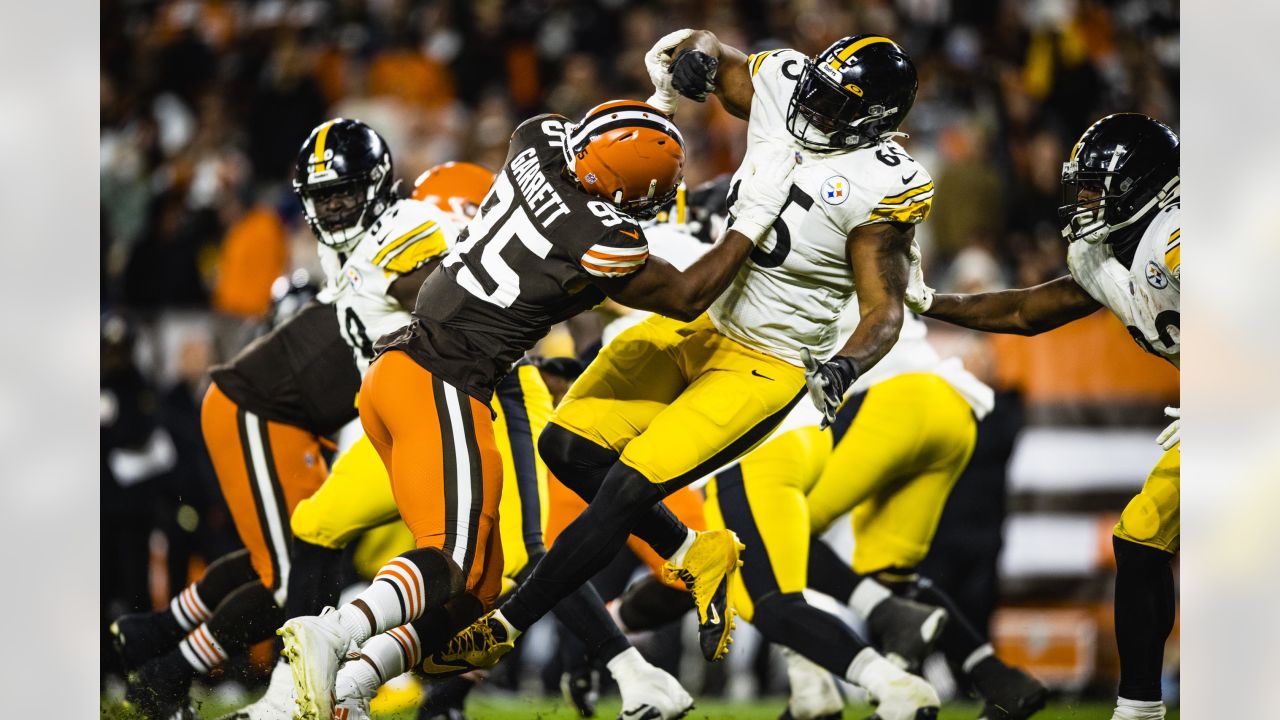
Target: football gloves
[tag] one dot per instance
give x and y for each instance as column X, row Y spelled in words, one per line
column 1172, row 435
column 658, row 62
column 693, row 74
column 827, row 382
column 918, row 297
column 764, row 191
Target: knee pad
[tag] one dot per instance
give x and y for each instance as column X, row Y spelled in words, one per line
column 1150, row 517
column 576, row 462
column 441, row 576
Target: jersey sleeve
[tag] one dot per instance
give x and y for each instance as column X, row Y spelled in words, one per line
column 771, row 69
column 1173, row 252
column 618, row 253
column 900, row 191
column 416, row 237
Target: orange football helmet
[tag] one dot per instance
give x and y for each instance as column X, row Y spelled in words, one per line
column 628, row 153
column 454, row 187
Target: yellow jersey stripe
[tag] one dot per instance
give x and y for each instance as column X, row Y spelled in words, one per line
column 321, row 137
column 758, row 59
column 906, row 194
column 384, row 252
column 848, row 52
column 913, row 213
column 416, row 253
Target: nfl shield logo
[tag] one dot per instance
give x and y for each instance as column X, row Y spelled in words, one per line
column 835, row 190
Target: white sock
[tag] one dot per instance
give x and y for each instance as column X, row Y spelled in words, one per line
column 871, row 671
column 677, row 558
column 1139, row 709
column 867, row 595
column 395, row 597
column 382, row 658
column 188, row 609
column 201, row 650
column 627, row 664
column 983, row 652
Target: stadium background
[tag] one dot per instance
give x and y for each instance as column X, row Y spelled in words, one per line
column 203, row 106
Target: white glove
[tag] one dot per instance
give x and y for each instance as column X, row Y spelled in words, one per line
column 763, row 192
column 658, row 62
column 919, row 297
column 1172, row 435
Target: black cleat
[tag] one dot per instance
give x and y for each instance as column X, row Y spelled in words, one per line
column 582, row 690
column 709, row 566
column 447, row 700
column 139, row 637
column 904, row 631
column 786, row 715
column 1010, row 693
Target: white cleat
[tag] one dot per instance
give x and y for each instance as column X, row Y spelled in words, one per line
column 814, row 694
column 650, row 693
column 1138, row 710
column 276, row 704
column 907, row 697
column 314, row 647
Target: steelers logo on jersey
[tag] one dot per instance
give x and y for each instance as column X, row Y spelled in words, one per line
column 1155, row 276
column 355, row 277
column 835, row 190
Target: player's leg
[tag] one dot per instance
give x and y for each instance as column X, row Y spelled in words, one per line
column 355, row 498
column 1145, row 541
column 446, row 474
column 139, row 637
column 762, row 499
column 724, row 411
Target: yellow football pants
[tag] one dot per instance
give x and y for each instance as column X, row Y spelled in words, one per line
column 677, row 400
column 898, row 450
column 1152, row 518
column 356, row 498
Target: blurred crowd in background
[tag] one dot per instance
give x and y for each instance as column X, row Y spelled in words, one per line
column 204, row 105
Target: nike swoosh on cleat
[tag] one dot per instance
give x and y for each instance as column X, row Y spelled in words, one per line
column 910, row 177
column 757, row 374
column 713, row 615
column 644, row 712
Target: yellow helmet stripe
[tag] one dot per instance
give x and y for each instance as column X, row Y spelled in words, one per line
column 318, row 154
column 848, row 52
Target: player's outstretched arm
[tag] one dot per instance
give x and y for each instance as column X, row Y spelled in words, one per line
column 1024, row 311
column 701, row 64
column 684, row 295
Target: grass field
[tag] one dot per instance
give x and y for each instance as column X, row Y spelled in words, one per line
column 494, row 707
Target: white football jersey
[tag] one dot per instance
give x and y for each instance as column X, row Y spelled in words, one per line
column 1146, row 295
column 798, row 281
column 405, row 236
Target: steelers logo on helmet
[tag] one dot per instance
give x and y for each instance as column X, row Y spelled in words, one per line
column 852, row 94
column 343, row 176
column 628, row 153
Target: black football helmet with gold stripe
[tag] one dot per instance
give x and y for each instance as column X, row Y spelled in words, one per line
column 1123, row 168
column 343, row 177
column 852, row 93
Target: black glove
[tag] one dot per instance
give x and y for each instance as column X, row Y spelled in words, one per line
column 693, row 74
column 827, row 382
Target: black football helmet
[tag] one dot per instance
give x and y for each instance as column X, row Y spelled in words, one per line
column 343, row 176
column 851, row 94
column 1129, row 163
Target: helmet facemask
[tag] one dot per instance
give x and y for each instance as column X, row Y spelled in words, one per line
column 340, row 211
column 825, row 117
column 1096, row 203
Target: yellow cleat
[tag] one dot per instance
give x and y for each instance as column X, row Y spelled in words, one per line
column 708, row 568
column 479, row 645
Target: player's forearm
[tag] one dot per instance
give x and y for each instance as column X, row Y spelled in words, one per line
column 1024, row 311
column 877, row 331
column 702, row 282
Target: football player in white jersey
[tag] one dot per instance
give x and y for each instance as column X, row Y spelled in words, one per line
column 669, row 401
column 1122, row 219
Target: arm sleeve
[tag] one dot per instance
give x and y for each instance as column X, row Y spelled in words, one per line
column 911, row 205
column 407, row 250
column 618, row 253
